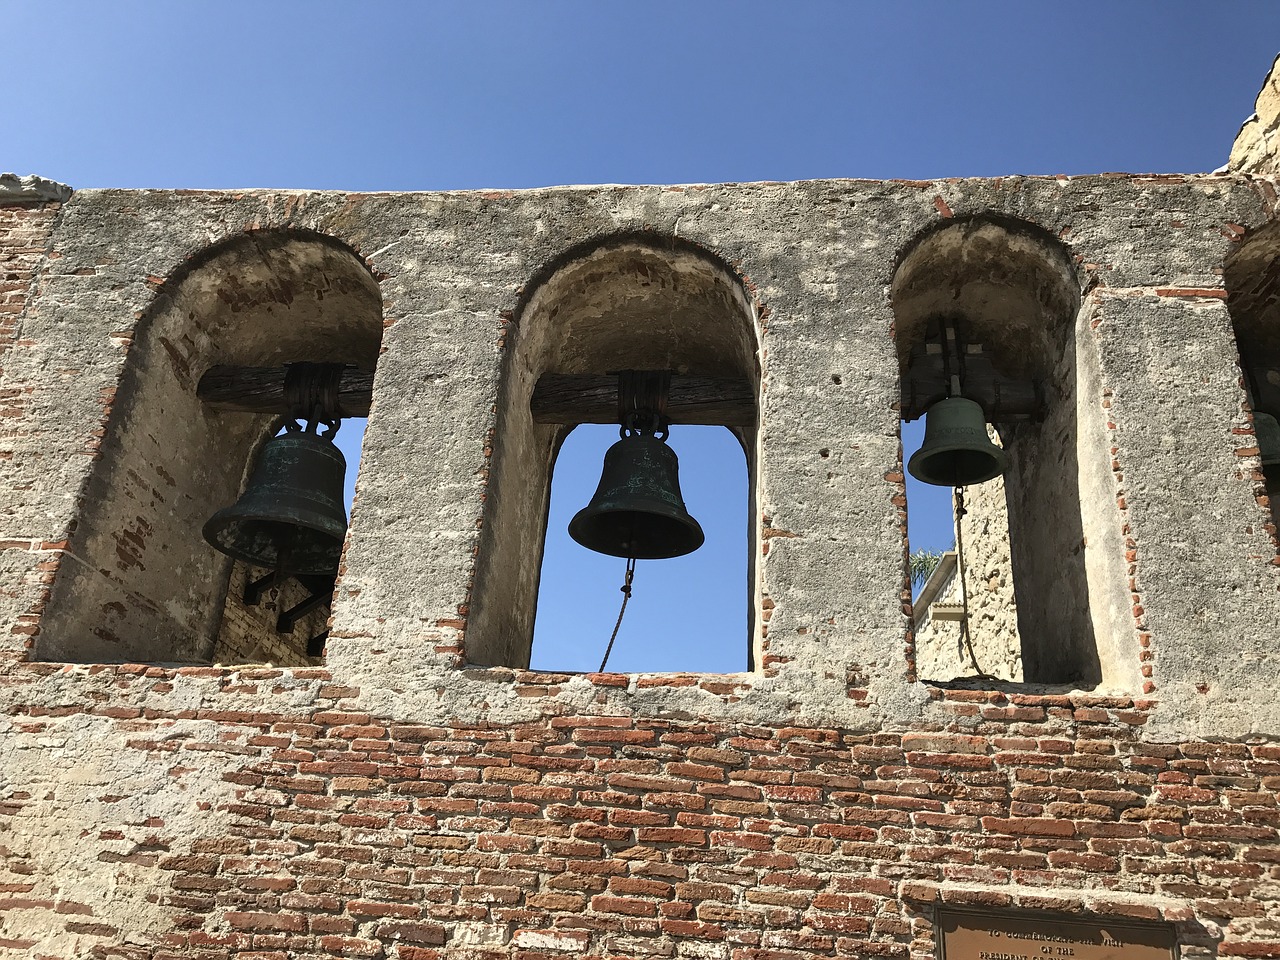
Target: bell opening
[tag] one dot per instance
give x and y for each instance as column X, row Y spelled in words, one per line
column 989, row 308
column 703, row 590
column 275, row 545
column 636, row 535
column 250, row 631
column 956, row 468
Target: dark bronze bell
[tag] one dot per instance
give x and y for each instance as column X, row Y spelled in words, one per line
column 637, row 511
column 292, row 516
column 956, row 450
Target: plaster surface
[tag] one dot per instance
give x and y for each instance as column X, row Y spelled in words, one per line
column 274, row 808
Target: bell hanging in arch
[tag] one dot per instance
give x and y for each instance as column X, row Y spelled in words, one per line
column 956, row 451
column 291, row 517
column 637, row 511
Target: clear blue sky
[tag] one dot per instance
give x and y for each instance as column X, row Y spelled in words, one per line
column 456, row 95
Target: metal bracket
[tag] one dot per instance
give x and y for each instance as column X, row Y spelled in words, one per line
column 642, row 400
column 321, row 595
column 319, row 590
column 254, row 589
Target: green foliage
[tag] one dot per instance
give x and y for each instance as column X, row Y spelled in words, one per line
column 922, row 563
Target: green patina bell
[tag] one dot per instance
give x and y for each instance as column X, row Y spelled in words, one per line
column 956, row 451
column 291, row 516
column 637, row 511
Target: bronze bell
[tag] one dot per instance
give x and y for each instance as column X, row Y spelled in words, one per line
column 292, row 516
column 637, row 511
column 956, row 450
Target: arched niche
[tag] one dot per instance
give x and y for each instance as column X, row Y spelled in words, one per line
column 1011, row 287
column 139, row 582
column 635, row 302
column 1252, row 278
column 1011, row 281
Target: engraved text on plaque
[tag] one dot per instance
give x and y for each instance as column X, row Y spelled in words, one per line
column 971, row 935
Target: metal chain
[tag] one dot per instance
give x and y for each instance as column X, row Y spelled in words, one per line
column 626, row 595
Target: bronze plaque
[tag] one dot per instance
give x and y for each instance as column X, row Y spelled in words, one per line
column 971, row 935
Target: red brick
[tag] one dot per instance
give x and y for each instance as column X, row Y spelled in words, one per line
column 1029, row 826
column 431, row 934
column 284, row 922
column 628, row 906
column 672, row 835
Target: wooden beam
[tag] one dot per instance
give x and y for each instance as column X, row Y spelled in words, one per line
column 261, row 390
column 587, row 398
column 557, row 398
column 1002, row 398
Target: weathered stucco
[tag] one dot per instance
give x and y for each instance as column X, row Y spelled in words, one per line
column 420, row 796
column 1257, row 146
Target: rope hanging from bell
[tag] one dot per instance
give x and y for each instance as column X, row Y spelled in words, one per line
column 626, row 595
column 965, row 639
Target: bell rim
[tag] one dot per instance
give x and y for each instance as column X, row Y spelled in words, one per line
column 997, row 454
column 583, row 516
column 225, row 518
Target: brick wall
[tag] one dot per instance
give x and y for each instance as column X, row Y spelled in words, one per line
column 24, row 235
column 29, row 558
column 403, row 803
column 348, row 834
column 248, row 634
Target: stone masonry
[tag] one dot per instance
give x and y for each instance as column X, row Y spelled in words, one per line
column 1257, row 146
column 419, row 794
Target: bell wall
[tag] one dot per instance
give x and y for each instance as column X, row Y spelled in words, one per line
column 418, row 794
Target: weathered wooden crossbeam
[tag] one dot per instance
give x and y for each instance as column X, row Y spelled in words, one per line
column 261, row 390
column 557, row 397
column 587, row 398
column 1002, row 399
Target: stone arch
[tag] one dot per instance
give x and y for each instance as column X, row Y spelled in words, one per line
column 634, row 301
column 1013, row 288
column 1011, row 280
column 1251, row 275
column 138, row 581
